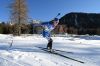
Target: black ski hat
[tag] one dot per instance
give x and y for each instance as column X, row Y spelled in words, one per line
column 56, row 19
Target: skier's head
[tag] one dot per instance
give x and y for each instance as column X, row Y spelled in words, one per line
column 56, row 19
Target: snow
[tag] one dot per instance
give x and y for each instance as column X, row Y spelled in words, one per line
column 23, row 50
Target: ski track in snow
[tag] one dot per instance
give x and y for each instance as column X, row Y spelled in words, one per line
column 20, row 59
column 24, row 53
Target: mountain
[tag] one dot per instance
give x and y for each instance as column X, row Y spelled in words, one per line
column 80, row 23
column 81, row 20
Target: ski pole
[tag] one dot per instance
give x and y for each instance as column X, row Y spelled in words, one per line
column 57, row 15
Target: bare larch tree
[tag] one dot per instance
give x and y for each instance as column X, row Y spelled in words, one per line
column 18, row 16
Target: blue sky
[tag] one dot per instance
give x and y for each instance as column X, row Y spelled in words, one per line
column 45, row 10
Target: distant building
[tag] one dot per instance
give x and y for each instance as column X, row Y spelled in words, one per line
column 35, row 21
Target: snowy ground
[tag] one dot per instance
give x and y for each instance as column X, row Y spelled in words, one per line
column 23, row 51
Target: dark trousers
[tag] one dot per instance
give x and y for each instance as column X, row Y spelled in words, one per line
column 49, row 45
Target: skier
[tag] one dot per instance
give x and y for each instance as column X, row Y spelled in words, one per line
column 47, row 28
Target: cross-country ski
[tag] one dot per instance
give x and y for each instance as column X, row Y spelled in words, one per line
column 56, row 53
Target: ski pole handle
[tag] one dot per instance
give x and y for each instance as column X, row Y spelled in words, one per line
column 57, row 15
